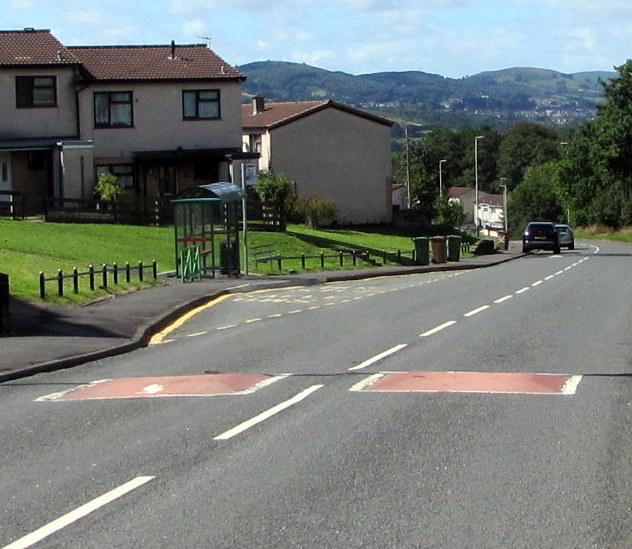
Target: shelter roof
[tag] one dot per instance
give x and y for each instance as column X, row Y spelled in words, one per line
column 224, row 191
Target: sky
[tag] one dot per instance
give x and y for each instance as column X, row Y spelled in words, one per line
column 453, row 38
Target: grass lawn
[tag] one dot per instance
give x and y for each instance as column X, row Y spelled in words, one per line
column 26, row 248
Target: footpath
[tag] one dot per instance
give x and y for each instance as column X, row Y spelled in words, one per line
column 45, row 338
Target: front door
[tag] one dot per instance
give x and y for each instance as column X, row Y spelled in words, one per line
column 5, row 176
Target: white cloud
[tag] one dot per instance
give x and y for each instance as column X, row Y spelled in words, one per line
column 20, row 4
column 195, row 27
column 316, row 58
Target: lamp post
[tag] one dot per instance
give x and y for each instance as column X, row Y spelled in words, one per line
column 476, row 179
column 441, row 179
column 504, row 203
column 407, row 166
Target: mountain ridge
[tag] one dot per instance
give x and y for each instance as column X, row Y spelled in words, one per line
column 490, row 97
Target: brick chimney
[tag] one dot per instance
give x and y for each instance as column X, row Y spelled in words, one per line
column 258, row 104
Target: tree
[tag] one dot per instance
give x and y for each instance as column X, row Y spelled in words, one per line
column 449, row 212
column 525, row 145
column 596, row 172
column 275, row 189
column 536, row 198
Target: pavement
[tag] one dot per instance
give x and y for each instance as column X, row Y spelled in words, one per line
column 46, row 338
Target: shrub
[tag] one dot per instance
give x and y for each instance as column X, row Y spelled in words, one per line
column 107, row 187
column 315, row 211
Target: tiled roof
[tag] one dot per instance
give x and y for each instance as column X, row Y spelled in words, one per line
column 456, row 192
column 276, row 114
column 483, row 197
column 178, row 62
column 32, row 47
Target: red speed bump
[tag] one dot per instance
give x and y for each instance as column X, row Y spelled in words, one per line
column 169, row 386
column 470, row 382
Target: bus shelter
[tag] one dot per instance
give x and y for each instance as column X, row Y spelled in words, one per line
column 206, row 224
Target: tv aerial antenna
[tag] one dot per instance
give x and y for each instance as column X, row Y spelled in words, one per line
column 207, row 39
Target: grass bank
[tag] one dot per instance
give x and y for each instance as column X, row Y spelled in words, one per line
column 26, row 248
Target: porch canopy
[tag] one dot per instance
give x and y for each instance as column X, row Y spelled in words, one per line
column 206, row 224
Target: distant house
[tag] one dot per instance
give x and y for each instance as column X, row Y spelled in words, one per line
column 328, row 150
column 491, row 212
column 161, row 118
column 400, row 196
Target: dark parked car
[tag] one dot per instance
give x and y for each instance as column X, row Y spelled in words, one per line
column 540, row 235
column 566, row 236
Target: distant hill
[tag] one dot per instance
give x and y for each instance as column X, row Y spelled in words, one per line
column 495, row 98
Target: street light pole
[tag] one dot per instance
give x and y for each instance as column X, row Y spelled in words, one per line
column 407, row 165
column 504, row 204
column 476, row 180
column 441, row 179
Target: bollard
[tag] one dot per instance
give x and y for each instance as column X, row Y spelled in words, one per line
column 60, row 283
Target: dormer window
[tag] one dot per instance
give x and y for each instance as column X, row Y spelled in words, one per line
column 35, row 91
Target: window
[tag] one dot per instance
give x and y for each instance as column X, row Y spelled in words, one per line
column 124, row 174
column 255, row 143
column 36, row 91
column 200, row 104
column 113, row 109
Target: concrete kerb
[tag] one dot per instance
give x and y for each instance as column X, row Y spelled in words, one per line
column 145, row 333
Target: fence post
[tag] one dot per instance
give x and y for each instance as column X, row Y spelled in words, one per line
column 154, row 268
column 104, row 271
column 279, row 263
column 60, row 283
column 42, row 282
column 127, row 272
column 115, row 272
column 355, row 258
column 140, row 271
column 75, row 280
column 303, row 260
column 91, row 269
column 399, row 256
column 342, row 259
column 322, row 260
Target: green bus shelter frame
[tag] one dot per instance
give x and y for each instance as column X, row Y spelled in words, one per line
column 206, row 230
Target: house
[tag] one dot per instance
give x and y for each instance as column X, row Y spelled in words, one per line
column 161, row 118
column 40, row 143
column 328, row 150
column 491, row 212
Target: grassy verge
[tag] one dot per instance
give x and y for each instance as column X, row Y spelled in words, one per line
column 27, row 248
column 603, row 233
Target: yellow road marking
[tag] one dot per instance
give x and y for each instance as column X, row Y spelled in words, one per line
column 160, row 336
